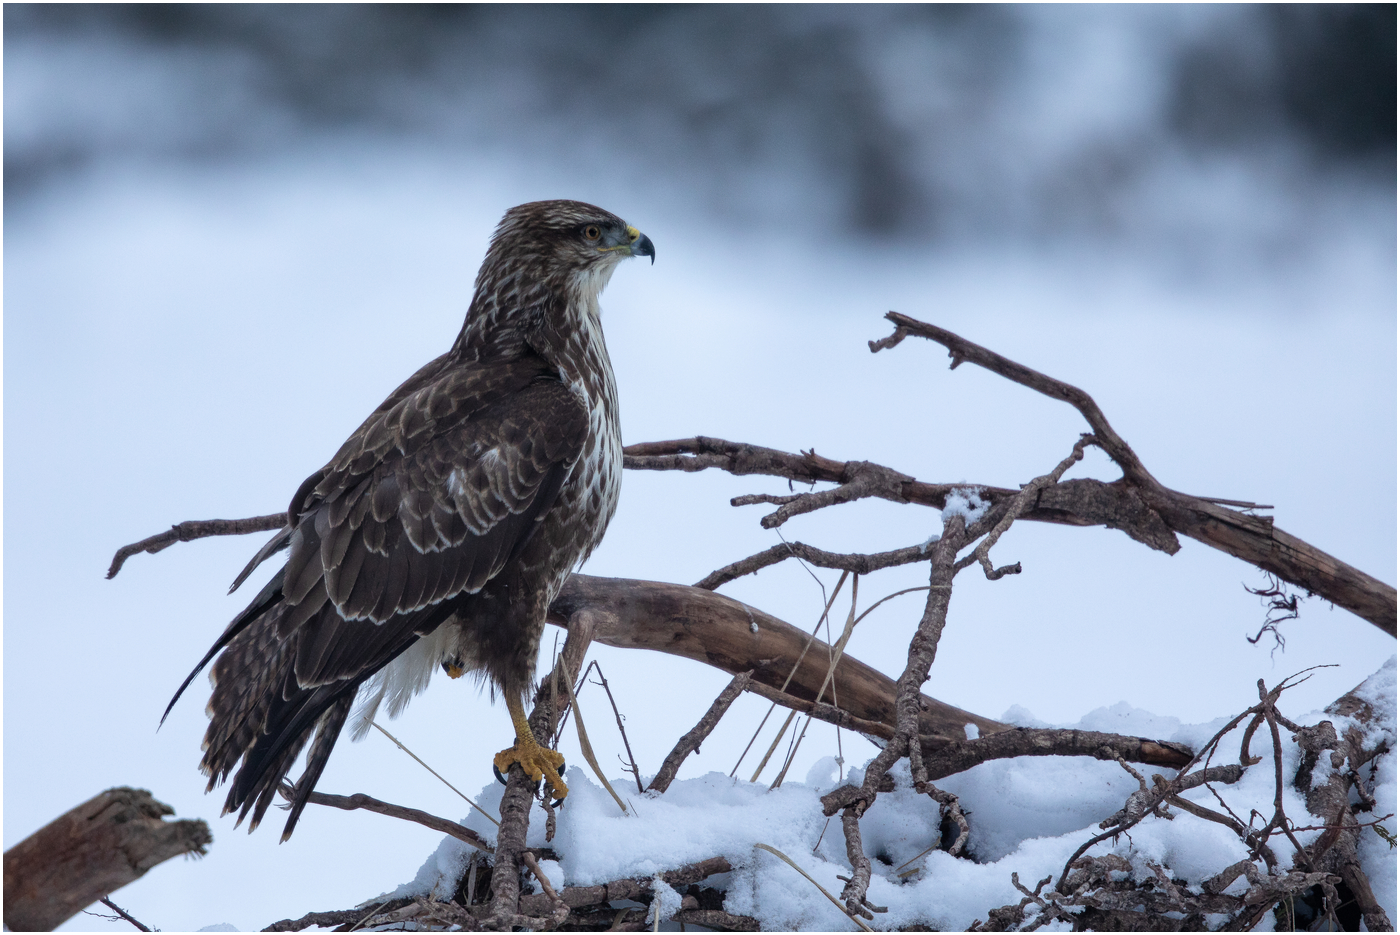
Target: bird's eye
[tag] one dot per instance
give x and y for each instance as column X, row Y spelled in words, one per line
column 592, row 232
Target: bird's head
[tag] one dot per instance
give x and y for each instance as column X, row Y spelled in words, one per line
column 568, row 235
column 544, row 251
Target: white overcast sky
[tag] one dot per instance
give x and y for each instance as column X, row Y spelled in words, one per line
column 188, row 340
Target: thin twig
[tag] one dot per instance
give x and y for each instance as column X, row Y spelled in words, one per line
column 808, row 645
column 636, row 775
column 690, row 743
column 361, row 801
column 859, row 563
column 773, row 746
column 834, row 654
column 193, row 529
column 529, row 859
column 118, row 909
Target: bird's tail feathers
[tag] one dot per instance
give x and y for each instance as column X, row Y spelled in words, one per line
column 274, row 545
column 268, row 598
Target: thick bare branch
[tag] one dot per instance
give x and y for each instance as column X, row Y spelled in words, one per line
column 1073, row 503
column 729, row 635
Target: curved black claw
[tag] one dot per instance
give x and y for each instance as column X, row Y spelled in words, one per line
column 562, row 766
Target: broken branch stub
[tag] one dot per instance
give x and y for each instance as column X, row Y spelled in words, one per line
column 91, row 851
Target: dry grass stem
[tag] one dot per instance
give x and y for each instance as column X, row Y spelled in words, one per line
column 588, row 747
column 825, row 892
column 449, row 785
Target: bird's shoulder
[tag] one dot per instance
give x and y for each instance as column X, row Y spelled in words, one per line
column 456, row 409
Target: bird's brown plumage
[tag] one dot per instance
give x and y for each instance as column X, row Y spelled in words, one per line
column 454, row 512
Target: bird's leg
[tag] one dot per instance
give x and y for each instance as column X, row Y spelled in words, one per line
column 536, row 760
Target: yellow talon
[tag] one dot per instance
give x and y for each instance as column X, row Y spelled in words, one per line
column 453, row 671
column 535, row 760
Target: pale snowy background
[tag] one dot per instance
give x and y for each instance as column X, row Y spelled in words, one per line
column 231, row 231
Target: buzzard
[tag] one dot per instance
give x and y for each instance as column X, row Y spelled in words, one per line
column 445, row 525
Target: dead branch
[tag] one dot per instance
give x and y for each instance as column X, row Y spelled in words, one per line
column 690, row 743
column 337, row 917
column 729, row 635
column 1072, row 503
column 952, row 810
column 138, row 925
column 905, row 742
column 190, row 530
column 520, row 791
column 959, row 757
column 1017, row 507
column 1088, row 884
column 861, row 564
column 860, row 479
column 361, row 801
column 1335, row 850
column 1251, row 538
column 716, row 919
column 635, row 890
column 631, row 760
column 90, row 852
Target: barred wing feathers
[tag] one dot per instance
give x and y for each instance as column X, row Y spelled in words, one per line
column 426, row 502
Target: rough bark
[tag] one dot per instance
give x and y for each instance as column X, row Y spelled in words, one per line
column 91, row 851
column 1329, row 801
column 729, row 635
column 719, row 631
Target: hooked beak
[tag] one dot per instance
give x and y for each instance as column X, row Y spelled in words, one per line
column 640, row 244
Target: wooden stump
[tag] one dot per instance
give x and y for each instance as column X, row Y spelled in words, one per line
column 89, row 852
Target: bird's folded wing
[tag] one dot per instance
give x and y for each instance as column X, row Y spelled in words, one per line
column 440, row 492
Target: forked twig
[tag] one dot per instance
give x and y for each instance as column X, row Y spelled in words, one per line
column 120, row 911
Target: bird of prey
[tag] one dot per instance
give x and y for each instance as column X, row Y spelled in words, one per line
column 445, row 525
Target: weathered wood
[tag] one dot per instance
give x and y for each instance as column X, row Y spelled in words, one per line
column 729, row 635
column 89, row 852
column 1254, row 539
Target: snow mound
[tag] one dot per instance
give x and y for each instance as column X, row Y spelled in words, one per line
column 1028, row 815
